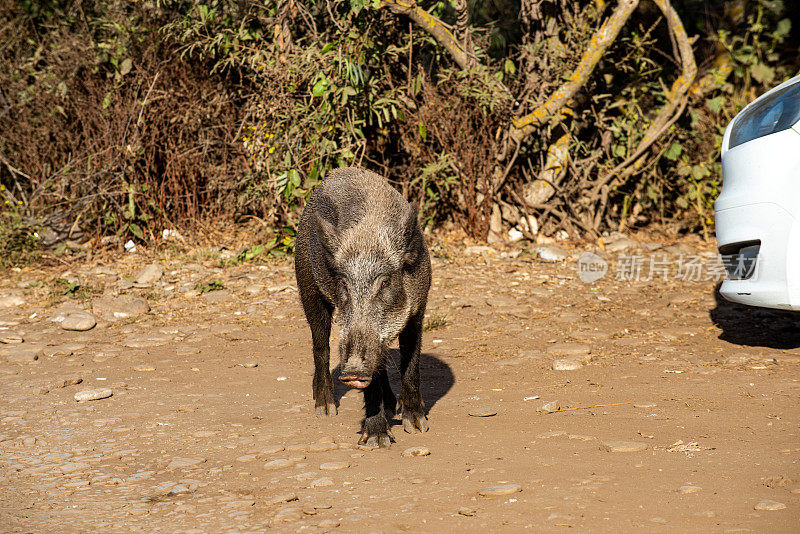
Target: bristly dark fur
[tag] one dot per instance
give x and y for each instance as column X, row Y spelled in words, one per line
column 360, row 250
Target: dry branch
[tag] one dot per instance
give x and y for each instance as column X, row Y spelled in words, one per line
column 442, row 34
column 433, row 26
column 680, row 86
column 598, row 44
column 677, row 98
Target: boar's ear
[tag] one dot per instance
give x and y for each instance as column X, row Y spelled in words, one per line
column 412, row 236
column 324, row 234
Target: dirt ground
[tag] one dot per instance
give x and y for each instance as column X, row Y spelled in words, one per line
column 211, row 425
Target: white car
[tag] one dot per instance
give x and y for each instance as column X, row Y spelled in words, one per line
column 758, row 211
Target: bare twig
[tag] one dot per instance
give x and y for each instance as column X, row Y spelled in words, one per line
column 152, row 84
column 598, row 44
column 586, row 407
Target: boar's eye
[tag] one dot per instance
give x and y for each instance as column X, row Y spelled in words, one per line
column 385, row 283
column 343, row 284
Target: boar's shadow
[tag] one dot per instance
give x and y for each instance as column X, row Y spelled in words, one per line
column 755, row 327
column 435, row 378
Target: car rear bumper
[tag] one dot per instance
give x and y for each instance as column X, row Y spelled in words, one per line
column 773, row 228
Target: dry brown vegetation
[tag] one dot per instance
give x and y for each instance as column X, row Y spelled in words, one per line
column 123, row 119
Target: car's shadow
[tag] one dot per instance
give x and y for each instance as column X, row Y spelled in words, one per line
column 436, row 378
column 755, row 327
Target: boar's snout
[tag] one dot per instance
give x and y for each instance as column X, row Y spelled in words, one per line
column 361, row 354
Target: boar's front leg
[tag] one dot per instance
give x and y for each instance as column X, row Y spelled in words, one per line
column 318, row 313
column 378, row 397
column 410, row 398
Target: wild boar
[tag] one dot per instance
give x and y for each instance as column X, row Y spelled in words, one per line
column 360, row 251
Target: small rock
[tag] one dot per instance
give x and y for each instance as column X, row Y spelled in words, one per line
column 704, row 513
column 479, row 249
column 24, row 353
column 623, row 446
column 328, row 523
column 621, row 244
column 566, row 365
column 218, row 297
column 182, row 463
column 769, row 505
column 288, row 514
column 737, row 360
column 179, row 489
column 79, row 321
column 254, row 289
column 63, row 350
column 278, row 499
column 250, row 365
column 416, row 451
column 334, row 466
column 278, row 464
column 73, row 467
column 11, row 339
column 93, row 394
column 147, row 341
column 482, row 412
column 113, row 308
column 502, row 489
column 66, row 382
column 467, row 511
column 552, row 406
column 11, row 301
column 321, row 482
column 515, row 235
column 777, row 481
column 689, row 489
column 150, row 274
column 270, row 449
column 559, row 517
column 322, row 447
column 578, row 351
column 551, row 252
column 551, row 434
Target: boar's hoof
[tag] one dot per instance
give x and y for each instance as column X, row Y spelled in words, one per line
column 376, row 441
column 376, row 433
column 326, row 410
column 414, row 422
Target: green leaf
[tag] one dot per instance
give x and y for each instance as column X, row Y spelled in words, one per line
column 699, row 172
column 423, row 131
column 715, row 104
column 136, row 230
column 509, row 67
column 294, row 177
column 126, row 66
column 762, row 73
column 326, row 48
column 782, row 29
column 673, row 151
column 320, row 87
column 107, row 100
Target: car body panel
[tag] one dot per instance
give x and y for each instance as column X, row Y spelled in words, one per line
column 760, row 201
